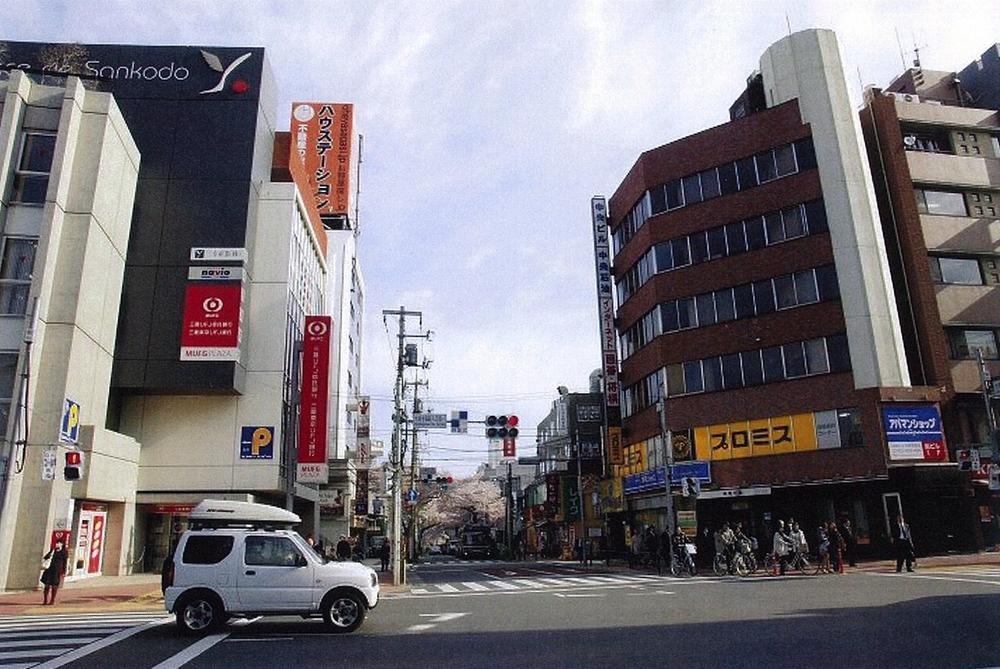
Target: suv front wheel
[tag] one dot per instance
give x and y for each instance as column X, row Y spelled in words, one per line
column 199, row 613
column 343, row 611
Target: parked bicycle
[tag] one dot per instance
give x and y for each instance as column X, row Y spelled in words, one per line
column 683, row 559
column 731, row 563
column 797, row 560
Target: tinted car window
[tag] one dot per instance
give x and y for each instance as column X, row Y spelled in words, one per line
column 207, row 549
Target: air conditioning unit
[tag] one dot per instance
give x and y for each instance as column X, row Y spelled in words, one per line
column 904, row 97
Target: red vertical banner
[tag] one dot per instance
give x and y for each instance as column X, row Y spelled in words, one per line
column 509, row 447
column 96, row 545
column 312, row 464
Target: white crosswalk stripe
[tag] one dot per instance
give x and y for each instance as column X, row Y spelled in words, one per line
column 540, row 583
column 27, row 641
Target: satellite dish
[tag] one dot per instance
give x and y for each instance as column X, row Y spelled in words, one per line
column 910, row 141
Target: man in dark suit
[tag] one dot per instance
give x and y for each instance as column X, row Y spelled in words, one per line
column 902, row 539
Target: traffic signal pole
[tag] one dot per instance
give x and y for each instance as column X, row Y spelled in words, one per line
column 668, row 463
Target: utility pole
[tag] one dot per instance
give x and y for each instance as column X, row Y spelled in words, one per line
column 668, row 463
column 396, row 458
column 579, row 496
column 414, row 464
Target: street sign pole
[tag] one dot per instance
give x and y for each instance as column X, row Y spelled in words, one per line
column 668, row 463
column 986, row 381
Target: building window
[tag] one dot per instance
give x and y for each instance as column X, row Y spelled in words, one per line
column 965, row 343
column 939, row 202
column 31, row 178
column 8, row 370
column 849, row 422
column 15, row 274
column 965, row 271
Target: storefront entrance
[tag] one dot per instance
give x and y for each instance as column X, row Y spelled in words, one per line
column 91, row 533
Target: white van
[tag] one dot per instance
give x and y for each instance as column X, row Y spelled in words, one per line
column 241, row 559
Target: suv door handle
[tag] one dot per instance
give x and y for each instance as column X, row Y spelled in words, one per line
column 251, row 572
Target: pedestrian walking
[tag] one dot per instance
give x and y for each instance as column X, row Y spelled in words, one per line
column 343, row 548
column 782, row 546
column 636, row 549
column 384, row 552
column 836, row 548
column 823, row 547
column 850, row 542
column 55, row 568
column 902, row 539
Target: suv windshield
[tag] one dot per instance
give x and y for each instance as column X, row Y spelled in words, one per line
column 312, row 551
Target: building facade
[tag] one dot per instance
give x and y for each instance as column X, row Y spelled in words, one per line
column 754, row 296
column 933, row 142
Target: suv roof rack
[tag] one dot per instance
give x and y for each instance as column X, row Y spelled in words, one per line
column 214, row 513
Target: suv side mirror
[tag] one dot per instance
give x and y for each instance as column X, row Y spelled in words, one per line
column 301, row 561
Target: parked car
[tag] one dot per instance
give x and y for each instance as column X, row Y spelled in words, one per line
column 241, row 559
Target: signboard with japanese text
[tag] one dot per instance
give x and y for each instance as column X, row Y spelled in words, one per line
column 201, row 253
column 430, row 421
column 653, row 479
column 552, row 490
column 606, row 322
column 211, row 327
column 257, row 442
column 914, row 432
column 215, row 273
column 777, row 435
column 509, row 448
column 322, row 133
column 312, row 464
column 572, row 503
column 362, row 427
column 361, row 493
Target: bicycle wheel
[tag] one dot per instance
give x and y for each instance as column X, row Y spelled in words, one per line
column 751, row 560
column 740, row 566
column 769, row 563
column 802, row 563
column 675, row 566
column 691, row 566
column 720, row 566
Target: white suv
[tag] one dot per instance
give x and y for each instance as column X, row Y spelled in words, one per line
column 238, row 561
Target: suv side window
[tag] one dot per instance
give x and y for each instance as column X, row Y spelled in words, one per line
column 207, row 549
column 271, row 552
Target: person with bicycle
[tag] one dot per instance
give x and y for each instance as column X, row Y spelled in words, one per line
column 782, row 546
column 728, row 539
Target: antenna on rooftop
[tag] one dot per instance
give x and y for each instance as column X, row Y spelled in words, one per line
column 899, row 43
column 788, row 23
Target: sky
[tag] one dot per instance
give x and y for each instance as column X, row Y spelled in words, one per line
column 488, row 126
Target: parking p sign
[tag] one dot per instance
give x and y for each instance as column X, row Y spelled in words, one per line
column 69, row 427
column 257, row 442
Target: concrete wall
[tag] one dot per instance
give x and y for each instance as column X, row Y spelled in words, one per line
column 807, row 66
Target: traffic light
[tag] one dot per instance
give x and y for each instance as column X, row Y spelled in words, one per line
column 501, row 427
column 74, row 466
column 443, row 481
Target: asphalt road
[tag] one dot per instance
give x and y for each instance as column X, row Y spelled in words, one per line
column 556, row 615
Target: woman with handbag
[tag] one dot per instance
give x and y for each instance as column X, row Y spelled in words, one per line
column 53, row 575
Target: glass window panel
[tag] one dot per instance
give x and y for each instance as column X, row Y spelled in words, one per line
column 746, row 172
column 960, row 270
column 965, row 343
column 8, row 368
column 664, row 257
column 838, row 353
column 727, row 179
column 795, row 226
column 784, row 291
column 754, row 228
column 795, row 359
column 717, row 243
column 753, row 371
column 815, row 216
column 14, row 298
column 668, row 314
column 732, row 372
column 682, row 256
column 699, row 247
column 712, row 370
column 805, row 287
column 692, row 189
column 18, row 258
column 686, row 313
column 693, row 381
column 735, row 238
column 775, row 229
column 674, row 196
column 37, row 153
column 709, row 184
column 945, row 203
column 784, row 158
column 763, row 295
column 675, row 380
column 725, row 308
column 743, row 296
column 706, row 309
column 826, row 279
column 657, row 199
column 816, row 362
column 774, row 369
column 849, row 422
column 29, row 189
column 805, row 154
column 766, row 169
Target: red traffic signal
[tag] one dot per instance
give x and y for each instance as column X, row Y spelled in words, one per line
column 501, row 426
column 74, row 466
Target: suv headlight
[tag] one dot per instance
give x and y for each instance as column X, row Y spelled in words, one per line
column 374, row 577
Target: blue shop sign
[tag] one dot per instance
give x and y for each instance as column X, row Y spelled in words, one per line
column 912, row 423
column 652, row 479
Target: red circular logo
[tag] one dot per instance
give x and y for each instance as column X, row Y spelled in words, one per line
column 240, row 86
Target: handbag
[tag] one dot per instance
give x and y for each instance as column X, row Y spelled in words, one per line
column 46, row 562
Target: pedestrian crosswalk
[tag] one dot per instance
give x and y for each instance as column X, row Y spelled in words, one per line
column 35, row 641
column 537, row 583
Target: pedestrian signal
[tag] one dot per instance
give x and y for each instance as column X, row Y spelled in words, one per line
column 74, row 466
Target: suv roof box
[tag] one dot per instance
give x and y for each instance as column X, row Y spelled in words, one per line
column 225, row 513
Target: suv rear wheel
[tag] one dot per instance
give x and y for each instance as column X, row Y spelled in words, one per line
column 343, row 611
column 199, row 613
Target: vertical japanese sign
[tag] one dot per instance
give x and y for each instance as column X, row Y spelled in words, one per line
column 552, row 493
column 606, row 320
column 312, row 465
column 361, row 494
column 96, row 544
column 363, row 430
column 211, row 327
column 322, row 134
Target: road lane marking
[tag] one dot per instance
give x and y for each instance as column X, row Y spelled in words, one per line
column 578, row 596
column 446, row 587
column 29, row 643
column 503, row 585
column 472, row 585
column 25, row 654
column 528, row 584
column 192, row 651
column 442, row 617
column 72, row 656
column 940, row 578
column 275, row 638
column 52, row 633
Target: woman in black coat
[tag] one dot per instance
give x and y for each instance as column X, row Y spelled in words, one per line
column 52, row 577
